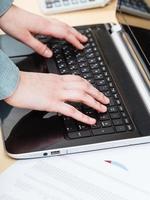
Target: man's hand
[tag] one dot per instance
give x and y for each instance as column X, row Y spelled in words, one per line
column 24, row 26
column 52, row 93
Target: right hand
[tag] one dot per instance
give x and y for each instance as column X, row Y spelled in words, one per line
column 24, row 25
column 51, row 93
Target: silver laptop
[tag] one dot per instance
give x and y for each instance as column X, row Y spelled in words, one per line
column 116, row 60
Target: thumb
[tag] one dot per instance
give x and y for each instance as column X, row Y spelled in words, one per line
column 39, row 47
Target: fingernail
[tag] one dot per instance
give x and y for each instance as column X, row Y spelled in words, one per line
column 107, row 99
column 84, row 38
column 81, row 46
column 92, row 121
column 47, row 53
column 103, row 108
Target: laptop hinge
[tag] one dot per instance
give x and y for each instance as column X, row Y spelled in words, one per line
column 132, row 62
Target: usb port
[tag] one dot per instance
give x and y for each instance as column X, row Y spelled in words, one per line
column 55, row 152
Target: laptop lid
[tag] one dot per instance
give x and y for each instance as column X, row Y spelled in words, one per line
column 133, row 35
column 139, row 31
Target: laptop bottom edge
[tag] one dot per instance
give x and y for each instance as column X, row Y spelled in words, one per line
column 82, row 148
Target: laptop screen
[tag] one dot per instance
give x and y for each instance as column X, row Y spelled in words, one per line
column 139, row 31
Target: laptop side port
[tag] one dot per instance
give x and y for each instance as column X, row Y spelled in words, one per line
column 54, row 153
column 45, row 154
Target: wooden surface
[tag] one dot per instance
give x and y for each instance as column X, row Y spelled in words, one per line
column 90, row 16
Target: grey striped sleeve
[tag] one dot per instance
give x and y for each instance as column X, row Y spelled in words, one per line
column 9, row 76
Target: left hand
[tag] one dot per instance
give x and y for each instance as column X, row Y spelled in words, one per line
column 24, row 25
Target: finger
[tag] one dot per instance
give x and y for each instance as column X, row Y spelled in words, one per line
column 78, row 83
column 69, row 37
column 71, row 111
column 92, row 91
column 38, row 46
column 71, row 77
column 99, row 96
column 80, row 96
column 78, row 35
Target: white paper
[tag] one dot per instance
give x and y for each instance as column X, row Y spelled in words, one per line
column 84, row 176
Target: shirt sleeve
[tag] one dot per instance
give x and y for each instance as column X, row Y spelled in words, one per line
column 9, row 76
column 5, row 5
column 9, row 72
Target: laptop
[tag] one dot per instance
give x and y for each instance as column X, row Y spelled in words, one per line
column 116, row 60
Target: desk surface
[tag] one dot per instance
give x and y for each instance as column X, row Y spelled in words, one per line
column 98, row 15
column 94, row 16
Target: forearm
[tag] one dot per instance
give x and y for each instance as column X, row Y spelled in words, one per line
column 9, row 76
column 4, row 6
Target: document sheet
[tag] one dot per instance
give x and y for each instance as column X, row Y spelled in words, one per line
column 113, row 174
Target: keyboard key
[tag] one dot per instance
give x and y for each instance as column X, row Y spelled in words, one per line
column 112, row 109
column 70, row 125
column 118, row 102
column 64, row 71
column 108, row 79
column 116, row 95
column 117, row 122
column 89, row 50
column 126, row 121
column 82, row 126
column 103, row 117
column 76, row 72
column 73, row 67
column 103, row 131
column 115, row 115
column 79, row 134
column 107, row 93
column 96, row 71
column 121, row 108
column 112, row 102
column 85, row 69
column 62, row 65
column 123, row 114
column 102, row 88
column 94, row 65
column 96, row 125
column 98, row 76
column 80, row 59
column 111, row 84
column 129, row 127
column 101, row 82
column 90, row 113
column 87, row 75
column 90, row 55
column 113, row 90
column 83, row 64
column 106, row 123
column 120, row 128
column 91, row 80
column 92, row 60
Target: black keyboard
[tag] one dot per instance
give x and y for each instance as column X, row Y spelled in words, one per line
column 135, row 7
column 90, row 65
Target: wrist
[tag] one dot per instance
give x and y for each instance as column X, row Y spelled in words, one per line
column 6, row 20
